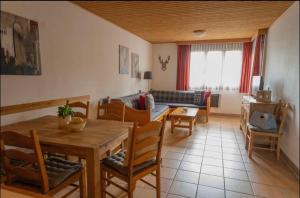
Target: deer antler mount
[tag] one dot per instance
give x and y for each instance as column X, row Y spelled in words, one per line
column 164, row 62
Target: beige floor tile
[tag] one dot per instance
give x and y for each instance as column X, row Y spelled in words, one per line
column 209, row 192
column 173, row 155
column 211, row 154
column 238, row 186
column 189, row 166
column 164, row 183
column 195, row 146
column 198, row 152
column 168, row 173
column 174, row 196
column 212, row 161
column 212, row 170
column 261, row 178
column 234, row 165
column 192, row 158
column 212, row 181
column 148, row 193
column 231, row 157
column 183, row 189
column 187, row 176
column 235, row 174
column 170, row 163
column 230, row 194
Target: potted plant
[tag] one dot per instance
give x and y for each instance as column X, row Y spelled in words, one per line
column 65, row 114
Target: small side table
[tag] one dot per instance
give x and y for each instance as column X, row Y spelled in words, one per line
column 181, row 115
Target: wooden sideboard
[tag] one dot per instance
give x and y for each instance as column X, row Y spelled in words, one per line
column 249, row 105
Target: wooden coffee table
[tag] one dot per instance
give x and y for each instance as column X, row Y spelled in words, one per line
column 182, row 115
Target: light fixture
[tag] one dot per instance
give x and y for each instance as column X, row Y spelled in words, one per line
column 199, row 33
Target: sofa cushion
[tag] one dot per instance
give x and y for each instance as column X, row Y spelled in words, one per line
column 198, row 97
column 158, row 110
column 142, row 102
column 149, row 102
column 205, row 97
column 131, row 100
column 186, row 97
column 175, row 105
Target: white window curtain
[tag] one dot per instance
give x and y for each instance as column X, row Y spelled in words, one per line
column 216, row 66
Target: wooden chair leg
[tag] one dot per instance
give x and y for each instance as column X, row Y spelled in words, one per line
column 206, row 116
column 158, row 182
column 82, row 183
column 102, row 182
column 278, row 149
column 130, row 189
column 246, row 139
column 251, row 143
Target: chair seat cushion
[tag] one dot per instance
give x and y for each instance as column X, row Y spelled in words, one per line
column 158, row 110
column 58, row 170
column 116, row 162
column 258, row 129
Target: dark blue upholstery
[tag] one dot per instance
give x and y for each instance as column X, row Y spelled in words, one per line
column 174, row 105
column 158, row 110
column 116, row 162
column 186, row 97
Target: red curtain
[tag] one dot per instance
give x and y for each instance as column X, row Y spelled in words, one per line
column 183, row 67
column 256, row 59
column 246, row 68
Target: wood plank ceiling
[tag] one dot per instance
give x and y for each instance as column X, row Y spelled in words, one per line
column 173, row 21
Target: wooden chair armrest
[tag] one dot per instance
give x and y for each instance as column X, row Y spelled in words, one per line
column 135, row 115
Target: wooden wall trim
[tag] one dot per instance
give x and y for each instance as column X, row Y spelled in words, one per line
column 6, row 110
column 214, row 41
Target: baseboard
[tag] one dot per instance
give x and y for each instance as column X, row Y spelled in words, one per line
column 224, row 114
column 286, row 161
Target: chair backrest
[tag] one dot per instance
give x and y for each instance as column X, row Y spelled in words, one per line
column 80, row 105
column 32, row 169
column 144, row 144
column 114, row 110
column 280, row 113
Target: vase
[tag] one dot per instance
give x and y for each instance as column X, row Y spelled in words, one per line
column 63, row 122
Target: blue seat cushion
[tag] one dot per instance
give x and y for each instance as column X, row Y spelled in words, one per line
column 158, row 110
column 174, row 105
column 258, row 129
column 116, row 162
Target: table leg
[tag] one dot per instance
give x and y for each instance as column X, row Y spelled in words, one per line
column 191, row 126
column 172, row 124
column 93, row 174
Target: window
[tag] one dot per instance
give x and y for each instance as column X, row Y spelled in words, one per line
column 216, row 68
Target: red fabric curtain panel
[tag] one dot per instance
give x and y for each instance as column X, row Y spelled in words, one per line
column 256, row 59
column 246, row 68
column 183, row 67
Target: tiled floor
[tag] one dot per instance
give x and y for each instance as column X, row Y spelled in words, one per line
column 213, row 163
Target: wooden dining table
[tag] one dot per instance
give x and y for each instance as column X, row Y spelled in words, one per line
column 91, row 143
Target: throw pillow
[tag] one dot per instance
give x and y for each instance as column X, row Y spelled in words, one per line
column 206, row 95
column 149, row 102
column 142, row 100
column 198, row 97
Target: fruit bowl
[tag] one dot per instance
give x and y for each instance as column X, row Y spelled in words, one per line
column 77, row 124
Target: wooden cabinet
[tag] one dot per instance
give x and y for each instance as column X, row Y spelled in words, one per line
column 249, row 105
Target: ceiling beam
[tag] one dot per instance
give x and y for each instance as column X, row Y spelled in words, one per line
column 214, row 41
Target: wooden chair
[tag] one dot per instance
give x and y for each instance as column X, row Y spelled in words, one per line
column 143, row 157
column 80, row 105
column 33, row 172
column 274, row 136
column 111, row 111
column 205, row 111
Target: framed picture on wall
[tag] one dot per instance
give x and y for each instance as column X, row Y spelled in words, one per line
column 20, row 50
column 123, row 60
column 134, row 65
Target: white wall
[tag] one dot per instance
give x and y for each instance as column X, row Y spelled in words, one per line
column 282, row 74
column 79, row 56
column 230, row 102
column 164, row 80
